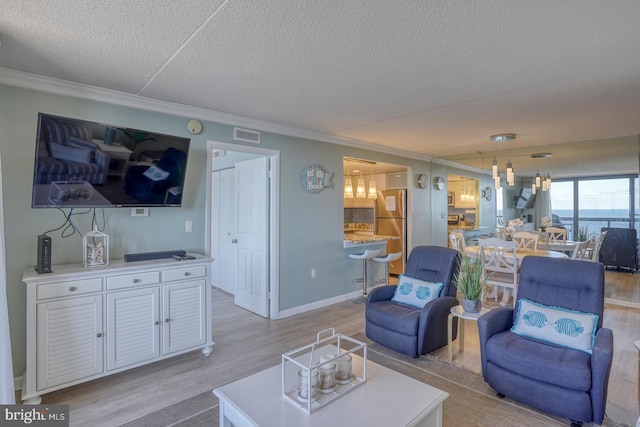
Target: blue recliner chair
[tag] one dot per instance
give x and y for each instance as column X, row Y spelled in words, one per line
column 156, row 189
column 554, row 378
column 405, row 328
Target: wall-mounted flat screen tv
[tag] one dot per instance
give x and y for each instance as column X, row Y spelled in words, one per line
column 525, row 199
column 83, row 164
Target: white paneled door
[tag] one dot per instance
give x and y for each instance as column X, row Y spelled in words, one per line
column 253, row 218
column 224, row 247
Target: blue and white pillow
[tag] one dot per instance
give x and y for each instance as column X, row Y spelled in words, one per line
column 416, row 292
column 72, row 154
column 154, row 173
column 556, row 325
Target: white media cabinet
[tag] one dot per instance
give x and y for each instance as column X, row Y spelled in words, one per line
column 86, row 323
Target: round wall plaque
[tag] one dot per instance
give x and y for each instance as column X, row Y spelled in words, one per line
column 438, row 183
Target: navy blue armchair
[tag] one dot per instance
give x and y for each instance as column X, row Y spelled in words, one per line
column 405, row 328
column 156, row 190
column 562, row 381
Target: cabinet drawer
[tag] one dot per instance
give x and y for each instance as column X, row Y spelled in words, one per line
column 70, row 288
column 134, row 279
column 188, row 272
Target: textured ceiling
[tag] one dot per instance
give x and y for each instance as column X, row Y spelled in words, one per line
column 432, row 77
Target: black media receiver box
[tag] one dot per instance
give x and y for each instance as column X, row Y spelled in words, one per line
column 145, row 256
column 43, row 263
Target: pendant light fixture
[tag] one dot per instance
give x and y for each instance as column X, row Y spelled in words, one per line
column 542, row 181
column 373, row 192
column 360, row 191
column 502, row 137
column 348, row 185
column 510, row 174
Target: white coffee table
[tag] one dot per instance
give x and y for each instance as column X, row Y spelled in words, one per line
column 387, row 398
column 457, row 311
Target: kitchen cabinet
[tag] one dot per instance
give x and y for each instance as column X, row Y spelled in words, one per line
column 83, row 324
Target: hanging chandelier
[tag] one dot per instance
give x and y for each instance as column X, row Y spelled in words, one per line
column 543, row 181
column 502, row 137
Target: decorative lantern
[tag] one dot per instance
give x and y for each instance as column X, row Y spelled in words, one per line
column 96, row 248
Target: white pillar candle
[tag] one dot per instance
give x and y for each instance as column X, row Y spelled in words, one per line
column 304, row 387
column 327, row 373
column 343, row 374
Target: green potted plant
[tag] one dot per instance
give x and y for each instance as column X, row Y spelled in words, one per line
column 471, row 283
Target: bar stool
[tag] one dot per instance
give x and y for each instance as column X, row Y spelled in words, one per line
column 387, row 259
column 368, row 254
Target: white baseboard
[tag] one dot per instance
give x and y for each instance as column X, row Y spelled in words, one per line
column 318, row 304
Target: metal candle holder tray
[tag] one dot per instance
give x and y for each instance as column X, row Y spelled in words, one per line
column 307, row 381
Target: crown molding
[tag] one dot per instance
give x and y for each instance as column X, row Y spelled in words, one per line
column 452, row 164
column 38, row 82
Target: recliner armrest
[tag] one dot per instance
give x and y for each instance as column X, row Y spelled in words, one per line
column 495, row 321
column 437, row 309
column 436, row 313
column 381, row 293
column 489, row 324
column 601, row 359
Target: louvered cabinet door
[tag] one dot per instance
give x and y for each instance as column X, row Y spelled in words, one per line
column 183, row 312
column 69, row 340
column 134, row 327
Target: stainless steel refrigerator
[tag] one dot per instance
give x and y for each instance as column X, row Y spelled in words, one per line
column 391, row 220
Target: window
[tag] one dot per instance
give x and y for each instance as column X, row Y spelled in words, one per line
column 585, row 205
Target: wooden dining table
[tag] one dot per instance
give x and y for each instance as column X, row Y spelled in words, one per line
column 561, row 245
column 473, row 251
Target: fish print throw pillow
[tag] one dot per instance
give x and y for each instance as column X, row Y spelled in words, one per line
column 567, row 328
column 416, row 292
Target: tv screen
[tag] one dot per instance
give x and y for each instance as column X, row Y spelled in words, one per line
column 525, row 199
column 82, row 164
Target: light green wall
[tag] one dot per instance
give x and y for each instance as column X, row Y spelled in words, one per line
column 311, row 233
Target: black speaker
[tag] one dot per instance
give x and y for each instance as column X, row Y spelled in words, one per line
column 44, row 254
column 145, row 256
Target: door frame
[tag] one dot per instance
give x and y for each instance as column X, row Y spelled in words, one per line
column 274, row 213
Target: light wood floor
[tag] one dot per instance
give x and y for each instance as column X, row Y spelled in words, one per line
column 246, row 343
column 622, row 286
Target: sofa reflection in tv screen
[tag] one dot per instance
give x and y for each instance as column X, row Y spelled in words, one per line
column 160, row 183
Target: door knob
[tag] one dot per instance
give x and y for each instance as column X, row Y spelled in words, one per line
column 234, row 240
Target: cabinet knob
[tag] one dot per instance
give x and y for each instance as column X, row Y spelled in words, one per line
column 136, row 280
column 99, row 335
column 166, row 320
column 157, row 322
column 72, row 288
column 186, row 273
column 234, row 240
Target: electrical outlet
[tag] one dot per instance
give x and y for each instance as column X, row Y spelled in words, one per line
column 313, row 273
column 188, row 226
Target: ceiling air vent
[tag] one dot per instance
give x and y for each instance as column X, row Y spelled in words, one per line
column 246, row 135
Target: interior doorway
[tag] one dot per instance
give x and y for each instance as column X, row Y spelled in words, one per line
column 242, row 218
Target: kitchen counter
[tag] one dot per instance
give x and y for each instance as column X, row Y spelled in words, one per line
column 361, row 240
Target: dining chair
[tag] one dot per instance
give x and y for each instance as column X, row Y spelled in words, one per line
column 457, row 241
column 500, row 267
column 556, row 234
column 593, row 254
column 580, row 251
column 526, row 240
column 501, row 232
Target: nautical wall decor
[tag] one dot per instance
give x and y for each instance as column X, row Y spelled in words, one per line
column 315, row 178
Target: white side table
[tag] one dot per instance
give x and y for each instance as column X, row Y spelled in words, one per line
column 116, row 152
column 457, row 311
